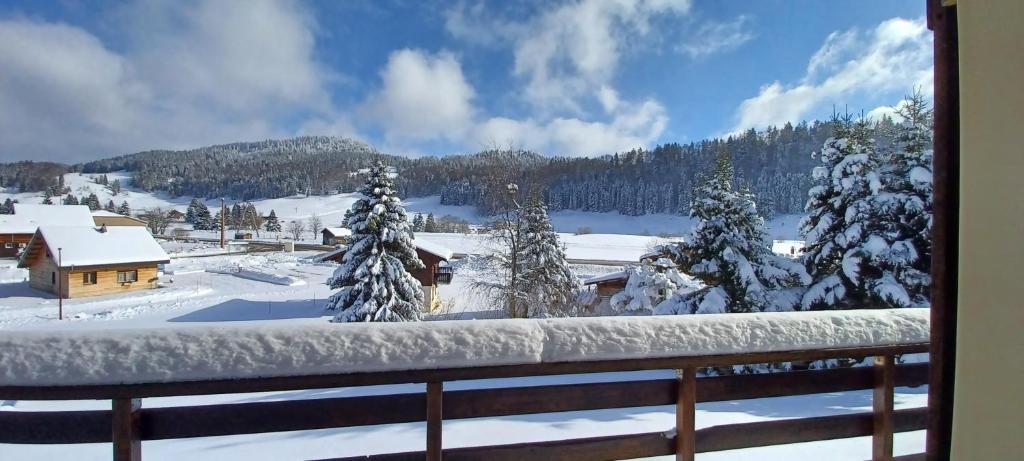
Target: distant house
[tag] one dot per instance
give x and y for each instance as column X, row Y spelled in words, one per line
column 86, row 261
column 111, row 219
column 436, row 272
column 17, row 229
column 176, row 216
column 243, row 235
column 608, row 285
column 335, row 235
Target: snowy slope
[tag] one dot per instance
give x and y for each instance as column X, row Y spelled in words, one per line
column 332, row 208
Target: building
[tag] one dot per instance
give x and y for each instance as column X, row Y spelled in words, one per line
column 111, row 219
column 335, row 235
column 608, row 284
column 17, row 229
column 87, row 261
column 788, row 248
column 436, row 271
column 176, row 216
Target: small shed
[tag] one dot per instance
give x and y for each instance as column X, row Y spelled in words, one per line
column 88, row 261
column 243, row 235
column 17, row 229
column 111, row 219
column 335, row 235
column 608, row 284
column 175, row 215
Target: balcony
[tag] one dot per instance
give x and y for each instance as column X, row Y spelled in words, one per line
column 527, row 348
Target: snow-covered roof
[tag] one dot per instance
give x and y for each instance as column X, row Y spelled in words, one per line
column 338, row 231
column 619, row 275
column 783, row 247
column 89, row 246
column 41, row 358
column 107, row 213
column 27, row 218
column 435, row 249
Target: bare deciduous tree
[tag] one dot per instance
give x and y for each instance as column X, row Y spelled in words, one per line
column 296, row 228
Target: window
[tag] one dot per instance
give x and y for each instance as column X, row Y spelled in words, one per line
column 22, row 245
column 88, row 278
column 53, row 278
column 127, row 276
column 8, row 245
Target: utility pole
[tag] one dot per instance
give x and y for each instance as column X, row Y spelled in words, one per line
column 60, row 284
column 222, row 222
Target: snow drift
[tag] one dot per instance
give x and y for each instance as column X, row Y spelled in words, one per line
column 34, row 358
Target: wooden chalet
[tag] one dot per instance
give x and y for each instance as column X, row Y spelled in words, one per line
column 111, row 219
column 87, row 261
column 436, row 272
column 335, row 235
column 17, row 229
column 608, row 284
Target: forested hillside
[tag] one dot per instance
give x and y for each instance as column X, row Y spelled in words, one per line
column 774, row 164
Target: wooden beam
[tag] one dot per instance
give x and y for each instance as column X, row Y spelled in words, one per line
column 945, row 228
column 882, row 405
column 434, row 401
column 126, row 436
column 686, row 407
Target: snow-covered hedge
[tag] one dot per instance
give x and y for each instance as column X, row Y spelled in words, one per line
column 195, row 353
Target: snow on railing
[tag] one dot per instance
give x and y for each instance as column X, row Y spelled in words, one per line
column 52, row 358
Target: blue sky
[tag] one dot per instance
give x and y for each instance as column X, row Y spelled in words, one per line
column 432, row 78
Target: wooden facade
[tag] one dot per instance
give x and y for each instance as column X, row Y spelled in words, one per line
column 427, row 276
column 331, row 239
column 13, row 244
column 78, row 282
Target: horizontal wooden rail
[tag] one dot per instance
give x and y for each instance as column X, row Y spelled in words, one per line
column 715, row 438
column 295, row 415
column 285, row 383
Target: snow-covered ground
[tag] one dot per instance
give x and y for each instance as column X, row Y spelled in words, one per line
column 331, row 209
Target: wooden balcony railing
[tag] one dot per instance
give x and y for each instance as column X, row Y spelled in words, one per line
column 127, row 366
column 128, row 423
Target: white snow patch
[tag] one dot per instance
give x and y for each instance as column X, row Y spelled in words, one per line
column 47, row 358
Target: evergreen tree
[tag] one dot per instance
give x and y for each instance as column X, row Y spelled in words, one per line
column 47, row 198
column 728, row 251
column 70, row 200
column 272, row 224
column 430, row 225
column 845, row 226
column 647, row 286
column 235, row 216
column 417, row 223
column 191, row 213
column 92, row 201
column 110, row 206
column 551, row 283
column 373, row 279
column 7, row 207
column 115, row 186
column 909, row 201
column 124, row 209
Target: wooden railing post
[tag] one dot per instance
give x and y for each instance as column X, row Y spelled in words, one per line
column 126, row 420
column 882, row 403
column 435, row 391
column 686, row 407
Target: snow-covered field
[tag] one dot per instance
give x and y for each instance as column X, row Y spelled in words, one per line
column 331, row 209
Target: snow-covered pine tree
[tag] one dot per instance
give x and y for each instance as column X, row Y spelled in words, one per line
column 272, row 224
column 92, row 201
column 110, row 206
column 373, row 278
column 7, row 207
column 846, row 227
column 191, row 212
column 71, row 200
column 908, row 201
column 430, row 225
column 417, row 223
column 550, row 282
column 647, row 286
column 47, row 198
column 728, row 251
column 124, row 209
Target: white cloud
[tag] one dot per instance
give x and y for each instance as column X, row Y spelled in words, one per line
column 215, row 72
column 423, row 96
column 632, row 126
column 716, row 37
column 894, row 58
